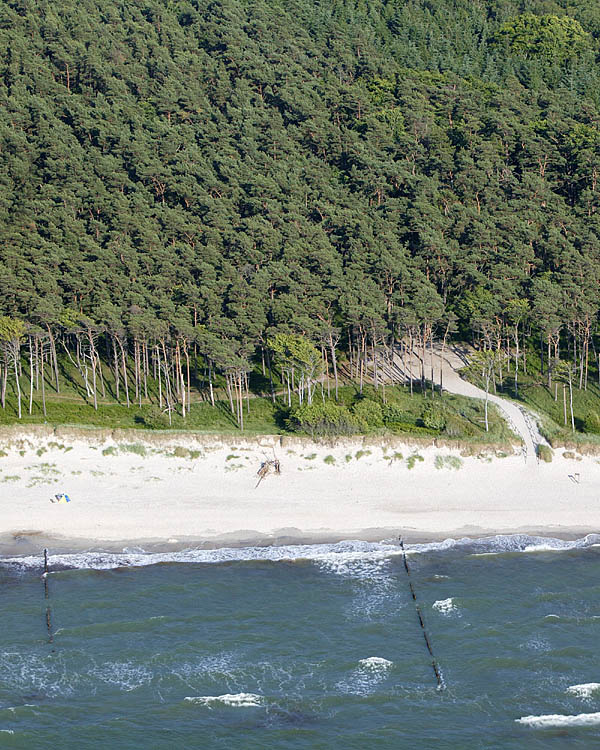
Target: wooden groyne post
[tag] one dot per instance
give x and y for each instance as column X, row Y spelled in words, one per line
column 436, row 670
column 46, row 596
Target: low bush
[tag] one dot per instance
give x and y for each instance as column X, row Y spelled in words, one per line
column 156, row 419
column 544, row 453
column 326, row 419
column 433, row 417
column 368, row 411
column 592, row 422
column 412, row 460
column 392, row 414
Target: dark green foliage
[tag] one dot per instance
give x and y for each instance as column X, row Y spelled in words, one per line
column 156, row 419
column 326, row 419
column 592, row 422
column 197, row 190
column 368, row 411
column 433, row 417
column 392, row 414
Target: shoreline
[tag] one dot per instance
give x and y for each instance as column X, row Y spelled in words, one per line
column 31, row 545
column 180, row 491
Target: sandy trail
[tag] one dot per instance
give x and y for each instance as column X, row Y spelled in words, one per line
column 521, row 421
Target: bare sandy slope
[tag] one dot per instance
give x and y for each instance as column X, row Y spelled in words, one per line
column 354, row 490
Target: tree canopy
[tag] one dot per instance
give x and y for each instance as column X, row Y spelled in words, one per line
column 179, row 174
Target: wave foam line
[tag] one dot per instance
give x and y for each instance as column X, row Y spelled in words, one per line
column 236, row 700
column 560, row 720
column 342, row 557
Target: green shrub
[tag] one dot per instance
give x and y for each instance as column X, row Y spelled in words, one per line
column 110, row 451
column 447, row 462
column 544, row 453
column 412, row 460
column 137, row 448
column 392, row 414
column 325, row 419
column 433, row 417
column 329, row 460
column 368, row 411
column 360, row 454
column 411, row 428
column 396, row 456
column 180, row 452
column 592, row 422
column 156, row 419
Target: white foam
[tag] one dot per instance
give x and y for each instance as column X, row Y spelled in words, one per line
column 364, row 679
column 237, row 700
column 124, row 675
column 560, row 720
column 362, row 559
column 585, row 690
column 355, row 557
column 376, row 663
column 445, row 606
column 7, row 731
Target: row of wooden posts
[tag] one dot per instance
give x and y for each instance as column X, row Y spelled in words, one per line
column 438, row 675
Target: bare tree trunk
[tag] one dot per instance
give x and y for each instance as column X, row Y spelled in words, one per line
column 30, row 376
column 228, row 382
column 16, row 363
column 124, row 364
column 53, row 357
column 571, row 402
column 93, row 360
column 160, row 399
column 116, row 362
column 334, row 363
column 43, row 376
column 187, row 367
column 210, row 383
column 4, row 379
column 145, row 371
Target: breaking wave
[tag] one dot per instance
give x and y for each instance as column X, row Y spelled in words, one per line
column 445, row 606
column 369, row 673
column 237, row 700
column 586, row 690
column 342, row 557
column 560, row 720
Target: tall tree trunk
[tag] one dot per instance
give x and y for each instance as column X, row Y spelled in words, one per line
column 53, row 357
column 16, row 364
column 116, row 364
column 43, row 377
column 124, row 365
column 30, row 376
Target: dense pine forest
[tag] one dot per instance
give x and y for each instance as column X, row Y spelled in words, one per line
column 205, row 203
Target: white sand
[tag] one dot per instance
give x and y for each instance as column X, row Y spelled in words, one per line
column 163, row 498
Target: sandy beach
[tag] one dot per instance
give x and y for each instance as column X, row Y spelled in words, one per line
column 172, row 491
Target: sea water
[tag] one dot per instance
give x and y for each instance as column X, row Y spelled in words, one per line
column 305, row 647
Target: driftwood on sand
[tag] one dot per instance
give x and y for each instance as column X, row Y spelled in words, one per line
column 268, row 466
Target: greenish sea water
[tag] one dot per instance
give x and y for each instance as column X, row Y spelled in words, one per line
column 305, row 647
